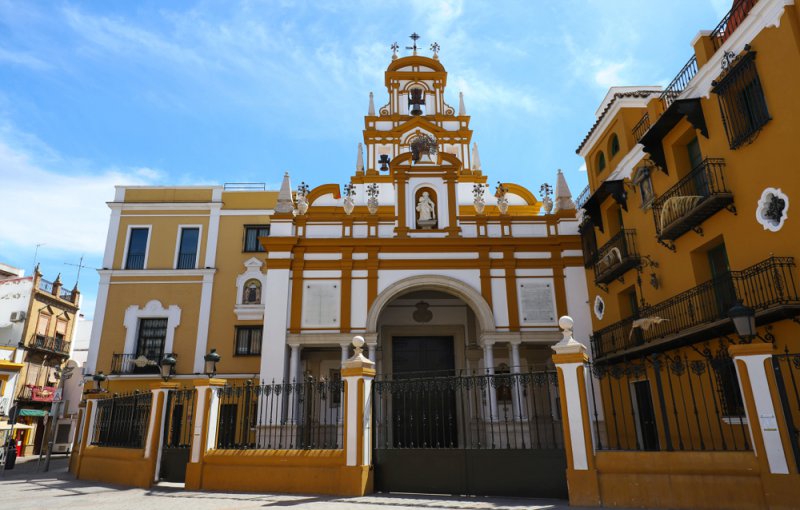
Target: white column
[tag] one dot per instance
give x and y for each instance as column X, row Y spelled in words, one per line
column 294, row 363
column 97, row 325
column 276, row 317
column 371, row 347
column 569, row 347
column 358, row 369
column 156, row 435
column 345, row 352
column 488, row 365
column 764, row 419
column 516, row 389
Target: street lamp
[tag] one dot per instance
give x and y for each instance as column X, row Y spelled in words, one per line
column 212, row 358
column 99, row 378
column 744, row 320
column 167, row 365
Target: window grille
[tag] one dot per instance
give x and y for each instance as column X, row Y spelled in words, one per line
column 741, row 101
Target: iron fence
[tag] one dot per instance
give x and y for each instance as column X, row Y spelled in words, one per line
column 695, row 197
column 668, row 403
column 583, row 197
column 45, row 285
column 475, row 412
column 283, row 416
column 122, row 420
column 680, row 82
column 787, row 377
column 131, row 363
column 768, row 284
column 49, row 343
column 65, row 294
column 734, row 18
column 179, row 418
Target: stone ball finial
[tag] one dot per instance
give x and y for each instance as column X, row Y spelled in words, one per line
column 358, row 342
column 566, row 322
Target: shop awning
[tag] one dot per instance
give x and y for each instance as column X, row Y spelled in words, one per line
column 32, row 412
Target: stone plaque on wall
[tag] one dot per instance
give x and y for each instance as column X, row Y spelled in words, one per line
column 321, row 303
column 537, row 301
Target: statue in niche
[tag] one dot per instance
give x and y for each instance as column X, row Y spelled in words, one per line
column 427, row 211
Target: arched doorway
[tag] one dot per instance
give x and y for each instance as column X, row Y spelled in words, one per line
column 446, row 419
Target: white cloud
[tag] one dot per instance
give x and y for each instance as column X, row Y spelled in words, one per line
column 22, row 59
column 44, row 199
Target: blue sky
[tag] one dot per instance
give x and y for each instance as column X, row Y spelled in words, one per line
column 94, row 94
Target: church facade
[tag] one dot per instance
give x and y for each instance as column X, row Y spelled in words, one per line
column 415, row 245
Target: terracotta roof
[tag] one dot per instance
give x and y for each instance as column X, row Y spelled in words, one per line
column 635, row 93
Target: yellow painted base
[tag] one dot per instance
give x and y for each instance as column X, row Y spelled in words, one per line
column 298, row 472
column 122, row 466
column 584, row 488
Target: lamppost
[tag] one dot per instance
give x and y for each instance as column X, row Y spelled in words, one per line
column 211, row 359
column 167, row 365
column 744, row 320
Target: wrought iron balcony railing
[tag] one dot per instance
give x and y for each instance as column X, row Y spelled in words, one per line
column 616, row 257
column 132, row 363
column 187, row 261
column 696, row 197
column 679, row 83
column 45, row 285
column 135, row 261
column 734, row 18
column 583, row 197
column 641, row 127
column 769, row 287
column 50, row 344
column 65, row 294
column 34, row 393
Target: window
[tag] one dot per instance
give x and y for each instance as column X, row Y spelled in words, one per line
column 695, row 155
column 730, row 395
column 614, row 145
column 645, row 184
column 601, row 162
column 187, row 248
column 152, row 335
column 248, row 340
column 252, row 293
column 137, row 248
column 251, row 235
column 741, row 101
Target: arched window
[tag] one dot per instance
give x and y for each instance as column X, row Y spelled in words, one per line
column 601, row 162
column 252, row 293
column 614, row 145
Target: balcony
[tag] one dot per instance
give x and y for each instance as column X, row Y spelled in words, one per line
column 49, row 287
column 616, row 257
column 130, row 363
column 641, row 127
column 695, row 198
column 55, row 345
column 734, row 18
column 34, row 393
column 701, row 312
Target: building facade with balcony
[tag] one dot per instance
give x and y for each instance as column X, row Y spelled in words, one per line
column 686, row 225
column 37, row 319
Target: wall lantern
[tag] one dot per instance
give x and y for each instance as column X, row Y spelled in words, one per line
column 167, row 366
column 212, row 358
column 744, row 320
column 98, row 379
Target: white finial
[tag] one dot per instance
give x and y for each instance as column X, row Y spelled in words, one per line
column 563, row 194
column 461, row 109
column 360, row 160
column 285, row 203
column 371, row 110
column 476, row 159
column 568, row 344
column 358, row 360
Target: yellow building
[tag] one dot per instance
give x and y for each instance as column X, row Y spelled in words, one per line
column 37, row 318
column 686, row 224
column 438, row 275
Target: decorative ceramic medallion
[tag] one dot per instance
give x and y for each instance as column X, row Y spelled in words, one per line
column 599, row 307
column 772, row 209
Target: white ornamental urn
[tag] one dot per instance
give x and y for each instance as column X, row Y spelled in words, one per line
column 502, row 205
column 547, row 204
column 479, row 204
column 349, row 205
column 302, row 205
column 372, row 205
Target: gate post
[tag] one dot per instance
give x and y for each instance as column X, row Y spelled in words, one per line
column 751, row 361
column 155, row 428
column 204, row 428
column 358, row 373
column 570, row 359
column 87, row 428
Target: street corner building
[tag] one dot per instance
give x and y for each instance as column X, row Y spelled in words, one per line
column 417, row 330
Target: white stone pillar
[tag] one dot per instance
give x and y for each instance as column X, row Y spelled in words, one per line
column 570, row 358
column 488, row 365
column 276, row 317
column 358, row 373
column 371, row 348
column 752, row 375
column 516, row 388
column 294, row 363
column 345, row 352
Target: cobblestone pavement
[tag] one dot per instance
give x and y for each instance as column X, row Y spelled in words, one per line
column 26, row 488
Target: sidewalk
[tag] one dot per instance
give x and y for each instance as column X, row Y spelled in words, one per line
column 28, row 489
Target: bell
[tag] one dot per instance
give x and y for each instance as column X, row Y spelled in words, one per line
column 384, row 161
column 415, row 101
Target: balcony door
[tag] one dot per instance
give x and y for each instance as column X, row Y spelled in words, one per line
column 724, row 293
column 150, row 341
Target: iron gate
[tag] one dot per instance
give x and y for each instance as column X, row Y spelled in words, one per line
column 176, row 448
column 494, row 434
column 787, row 376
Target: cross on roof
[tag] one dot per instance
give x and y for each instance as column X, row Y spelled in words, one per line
column 414, row 38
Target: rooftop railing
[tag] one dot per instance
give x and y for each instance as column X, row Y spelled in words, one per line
column 734, row 18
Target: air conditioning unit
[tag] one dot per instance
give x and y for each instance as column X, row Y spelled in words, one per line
column 18, row 316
